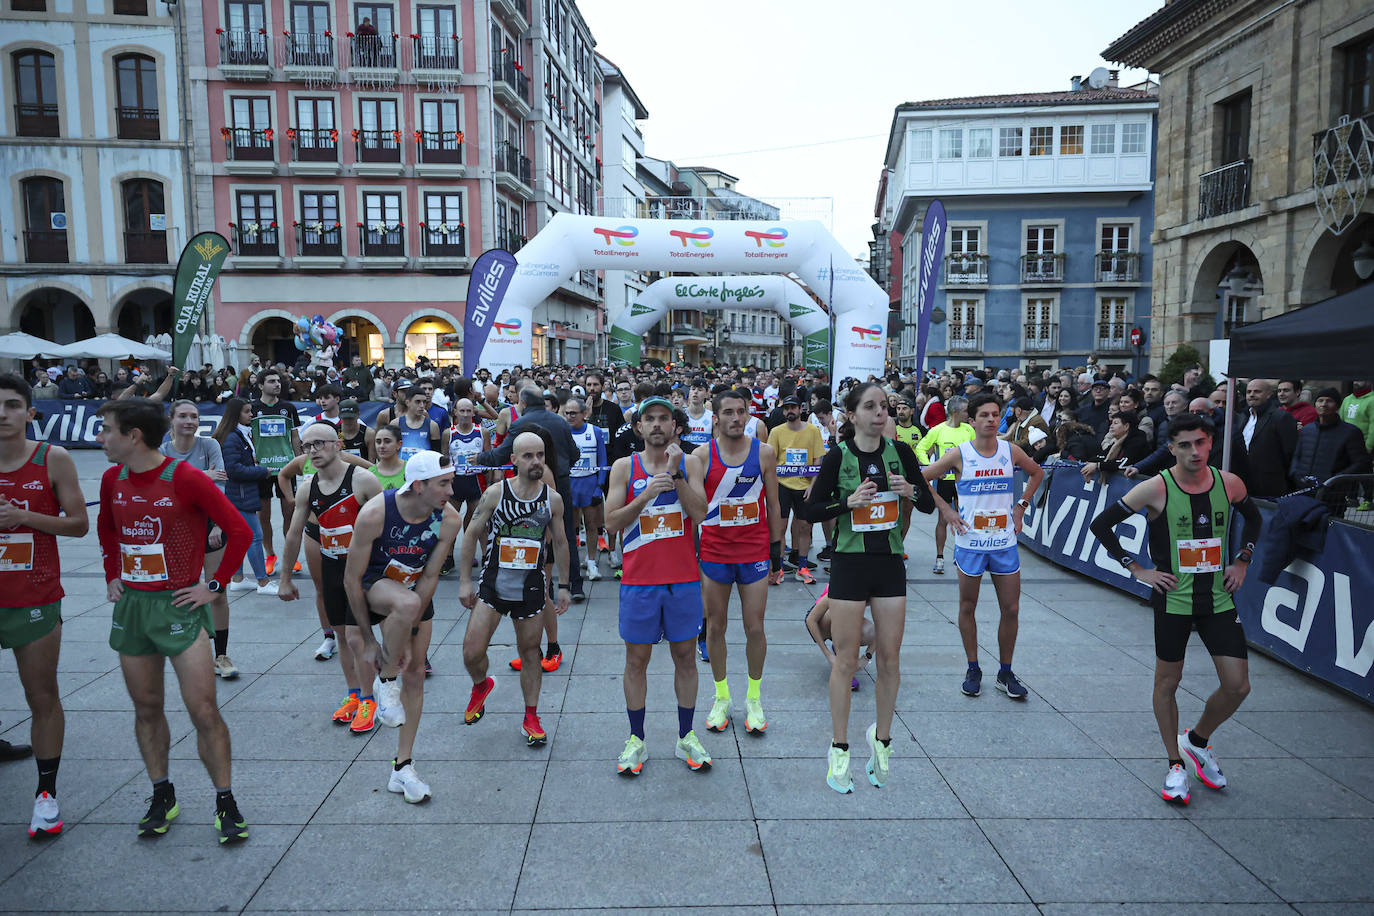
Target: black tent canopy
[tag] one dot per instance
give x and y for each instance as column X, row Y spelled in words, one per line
column 1333, row 339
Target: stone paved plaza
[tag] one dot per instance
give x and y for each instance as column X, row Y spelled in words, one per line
column 993, row 807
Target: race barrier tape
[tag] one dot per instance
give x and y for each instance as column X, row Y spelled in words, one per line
column 1308, row 618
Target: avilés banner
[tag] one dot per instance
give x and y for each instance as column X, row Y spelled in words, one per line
column 491, row 274
column 197, row 269
column 932, row 254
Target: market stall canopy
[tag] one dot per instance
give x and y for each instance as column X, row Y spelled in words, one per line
column 109, row 346
column 1333, row 339
column 25, row 346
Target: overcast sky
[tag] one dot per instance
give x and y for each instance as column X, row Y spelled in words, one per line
column 727, row 82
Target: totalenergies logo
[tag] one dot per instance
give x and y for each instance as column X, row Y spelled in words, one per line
column 700, row 237
column 624, row 236
column 869, row 333
column 773, row 238
column 511, row 328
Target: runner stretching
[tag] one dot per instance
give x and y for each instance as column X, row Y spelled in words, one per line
column 818, row 628
column 1191, row 588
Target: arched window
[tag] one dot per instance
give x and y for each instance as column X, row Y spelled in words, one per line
column 145, row 222
column 35, row 89
column 136, row 89
column 45, row 221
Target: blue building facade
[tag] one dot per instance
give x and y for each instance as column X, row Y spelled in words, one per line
column 1050, row 203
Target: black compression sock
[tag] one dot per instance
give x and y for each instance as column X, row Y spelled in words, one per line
column 223, row 799
column 843, row 747
column 885, row 742
column 163, row 788
column 47, row 775
column 1197, row 740
column 1175, row 763
column 222, row 642
column 401, row 765
column 386, row 680
column 553, row 650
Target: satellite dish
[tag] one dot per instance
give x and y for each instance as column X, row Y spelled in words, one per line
column 1098, row 78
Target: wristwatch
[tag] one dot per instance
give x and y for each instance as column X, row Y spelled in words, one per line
column 677, row 475
column 214, row 586
column 1126, row 562
column 1023, row 503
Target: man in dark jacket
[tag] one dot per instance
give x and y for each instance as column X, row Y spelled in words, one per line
column 1271, row 436
column 1097, row 413
column 1329, row 446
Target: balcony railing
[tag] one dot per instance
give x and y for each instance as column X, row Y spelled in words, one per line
column 314, row 144
column 309, row 49
column 1042, row 268
column 378, row 145
column 145, row 247
column 511, row 241
column 509, row 160
column 241, row 48
column 965, row 337
column 372, row 51
column 249, row 143
column 434, row 52
column 138, row 123
column 1341, row 153
column 29, row 6
column 316, row 240
column 966, row 269
column 36, row 120
column 437, row 146
column 520, row 8
column 508, row 72
column 131, row 7
column 1040, row 338
column 1113, row 336
column 381, row 241
column 1118, row 267
column 252, row 241
column 1224, row 190
column 45, row 246
column 443, row 241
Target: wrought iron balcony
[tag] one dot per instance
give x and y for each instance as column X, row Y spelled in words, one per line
column 1342, row 160
column 380, row 241
column 138, row 123
column 965, row 338
column 435, row 52
column 309, row 51
column 36, row 120
column 1113, row 336
column 439, row 146
column 1224, row 190
column 1118, row 267
column 1042, row 268
column 314, row 144
column 145, row 247
column 255, row 241
column 510, row 163
column 251, row 144
column 45, row 246
column 317, row 240
column 966, row 270
column 1041, row 338
column 443, row 241
column 245, row 55
column 375, row 52
column 378, row 145
column 509, row 79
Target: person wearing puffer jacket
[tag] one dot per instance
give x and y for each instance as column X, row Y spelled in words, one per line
column 235, row 438
column 1328, row 447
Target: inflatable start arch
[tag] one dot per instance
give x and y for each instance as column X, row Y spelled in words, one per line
column 778, row 293
column 501, row 302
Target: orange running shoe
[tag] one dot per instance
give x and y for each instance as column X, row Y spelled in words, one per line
column 365, row 719
column 515, row 663
column 601, row 544
column 477, row 704
column 534, row 732
column 552, row 662
column 804, row 575
column 297, row 567
column 271, row 563
column 344, row 714
column 776, row 578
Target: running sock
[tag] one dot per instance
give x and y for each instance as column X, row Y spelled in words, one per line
column 553, row 650
column 1004, row 668
column 367, row 699
column 843, row 747
column 973, row 666
column 1197, row 740
column 722, row 690
column 328, row 632
column 939, row 556
column 399, row 766
column 386, row 680
column 47, row 775
column 223, row 798
column 755, row 688
column 636, row 722
column 355, row 693
column 162, row 788
column 885, row 742
column 222, row 642
column 1175, row 763
column 685, row 714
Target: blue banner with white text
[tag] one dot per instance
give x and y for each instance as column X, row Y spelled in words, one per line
column 491, row 274
column 932, row 254
column 74, row 424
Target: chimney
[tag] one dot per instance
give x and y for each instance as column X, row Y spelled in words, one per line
column 1112, row 77
column 1075, row 83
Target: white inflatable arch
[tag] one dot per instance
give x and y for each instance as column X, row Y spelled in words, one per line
column 759, row 291
column 571, row 243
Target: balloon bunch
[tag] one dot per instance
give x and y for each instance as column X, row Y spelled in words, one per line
column 314, row 333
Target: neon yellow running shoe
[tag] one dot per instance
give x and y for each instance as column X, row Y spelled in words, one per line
column 837, row 776
column 689, row 749
column 719, row 718
column 879, row 756
column 632, row 758
column 754, row 720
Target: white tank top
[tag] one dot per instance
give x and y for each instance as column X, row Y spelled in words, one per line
column 586, row 447
column 699, row 429
column 985, row 499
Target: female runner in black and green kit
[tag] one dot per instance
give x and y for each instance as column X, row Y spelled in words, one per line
column 862, row 483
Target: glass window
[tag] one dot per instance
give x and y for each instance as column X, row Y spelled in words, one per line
column 381, row 210
column 1103, row 142
column 952, row 144
column 1116, row 237
column 980, row 143
column 920, row 145
column 1133, row 138
column 42, row 198
column 1357, row 90
column 1041, row 141
column 136, row 82
column 1071, row 140
column 1009, row 141
column 1234, row 114
column 964, row 240
column 1040, row 240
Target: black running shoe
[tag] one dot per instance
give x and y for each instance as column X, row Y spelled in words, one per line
column 578, row 596
column 229, row 823
column 161, row 812
column 825, row 553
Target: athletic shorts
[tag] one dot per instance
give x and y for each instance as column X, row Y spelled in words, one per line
column 790, row 502
column 267, row 489
column 336, row 608
column 732, row 573
column 466, row 486
column 147, row 623
column 20, row 626
column 529, row 606
column 974, row 563
column 586, row 491
column 651, row 613
column 374, row 618
column 945, row 489
column 1221, row 633
column 861, row 576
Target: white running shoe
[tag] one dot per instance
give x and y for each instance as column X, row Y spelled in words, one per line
column 390, row 712
column 593, row 572
column 327, row 649
column 939, row 567
column 879, row 756
column 1203, row 760
column 754, row 720
column 46, row 820
column 407, row 781
column 1175, row 788
column 837, row 776
column 270, row 589
column 242, row 585
column 225, row 668
column 719, row 717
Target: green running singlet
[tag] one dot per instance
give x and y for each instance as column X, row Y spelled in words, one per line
column 1191, row 540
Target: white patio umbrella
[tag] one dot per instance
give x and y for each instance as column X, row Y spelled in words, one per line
column 109, row 346
column 25, row 346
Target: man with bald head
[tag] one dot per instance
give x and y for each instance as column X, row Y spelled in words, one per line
column 1271, row 438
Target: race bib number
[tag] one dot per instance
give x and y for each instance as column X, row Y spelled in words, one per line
column 355, row 452
column 738, row 511
column 334, row 541
column 406, row 575
column 879, row 515
column 143, row 563
column 990, row 521
column 661, row 522
column 796, row 456
column 518, row 553
column 1200, row 555
column 583, row 466
column 16, row 552
column 408, row 452
column 271, row 427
